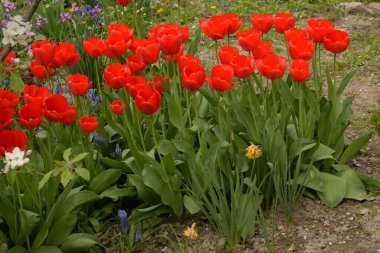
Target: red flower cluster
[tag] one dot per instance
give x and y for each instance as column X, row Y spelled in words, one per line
column 217, row 27
column 8, row 104
column 10, row 139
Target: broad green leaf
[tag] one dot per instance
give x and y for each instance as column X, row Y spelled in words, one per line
column 355, row 187
column 48, row 249
column 16, row 83
column 345, row 81
column 42, row 134
column 66, row 154
column 311, row 178
column 145, row 193
column 79, row 242
column 79, row 157
column 165, row 147
column 355, row 147
column 115, row 193
column 175, row 113
column 322, row 152
column 104, row 180
column 194, row 43
column 16, row 249
column 44, row 179
column 141, row 215
column 61, row 229
column 66, row 177
column 334, row 189
column 28, row 221
column 74, row 201
column 191, row 205
column 83, row 173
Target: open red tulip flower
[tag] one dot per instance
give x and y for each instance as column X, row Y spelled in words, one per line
column 156, row 83
column 65, row 55
column 116, row 47
column 336, row 41
column 10, row 139
column 233, row 21
column 148, row 51
column 271, row 66
column 135, row 64
column 169, row 40
column 221, row 77
column 94, row 47
column 284, row 21
column 148, row 100
column 116, row 75
column 295, row 34
column 318, row 28
column 120, row 31
column 175, row 57
column 88, row 124
column 78, row 84
column 249, row 39
column 134, row 84
column 34, row 94
column 300, row 70
column 39, row 71
column 124, row 2
column 43, row 52
column 262, row 22
column 8, row 61
column 185, row 60
column 153, row 33
column 70, row 115
column 226, row 53
column 263, row 49
column 301, row 49
column 9, row 98
column 118, row 107
column 55, row 107
column 243, row 66
column 193, row 76
column 6, row 117
column 30, row 116
column 215, row 27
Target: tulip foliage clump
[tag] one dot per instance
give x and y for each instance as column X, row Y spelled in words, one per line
column 134, row 114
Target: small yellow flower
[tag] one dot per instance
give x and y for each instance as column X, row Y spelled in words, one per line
column 71, row 11
column 213, row 7
column 160, row 10
column 191, row 233
column 253, row 152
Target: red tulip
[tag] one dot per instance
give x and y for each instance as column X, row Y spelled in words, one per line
column 157, row 84
column 263, row 49
column 120, row 31
column 88, row 124
column 284, row 21
column 299, row 70
column 65, row 54
column 118, row 107
column 186, row 60
column 116, row 75
column 43, row 52
column 336, row 41
column 243, row 66
column 318, row 28
column 249, row 39
column 301, row 49
column 55, row 107
column 221, row 77
column 148, row 100
column 70, row 115
column 262, row 22
column 295, row 34
column 34, row 94
column 10, row 139
column 169, row 40
column 226, row 53
column 135, row 64
column 30, row 115
column 216, row 27
column 40, row 71
column 193, row 76
column 175, row 57
column 148, row 51
column 9, row 98
column 116, row 47
column 94, row 47
column 271, row 66
column 124, row 2
column 78, row 84
column 134, row 84
column 6, row 117
column 154, row 32
column 8, row 61
column 233, row 21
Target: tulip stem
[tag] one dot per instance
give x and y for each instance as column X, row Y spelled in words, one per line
column 216, row 51
column 138, row 122
column 335, row 69
column 22, row 208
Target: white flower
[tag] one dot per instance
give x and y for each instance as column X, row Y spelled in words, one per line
column 17, row 31
column 15, row 159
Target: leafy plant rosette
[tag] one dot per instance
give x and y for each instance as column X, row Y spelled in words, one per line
column 138, row 121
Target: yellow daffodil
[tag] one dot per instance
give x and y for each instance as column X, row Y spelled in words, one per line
column 253, row 152
column 191, row 233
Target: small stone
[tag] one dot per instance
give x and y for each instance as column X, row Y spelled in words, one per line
column 351, row 218
column 355, row 8
column 364, row 211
